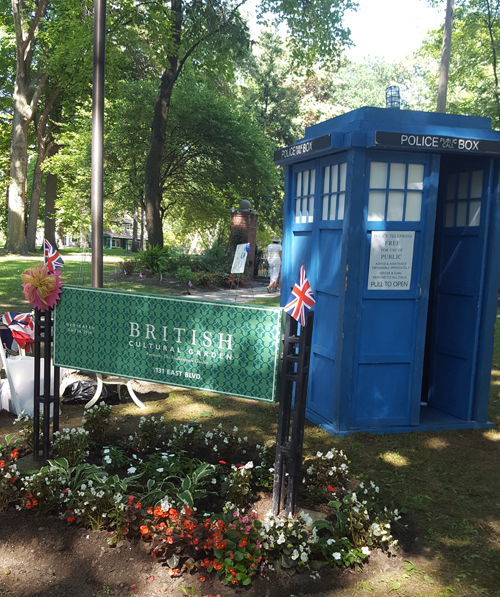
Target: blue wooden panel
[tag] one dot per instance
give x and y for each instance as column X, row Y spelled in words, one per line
column 322, row 379
column 381, row 399
column 326, row 311
column 451, row 389
column 330, row 249
column 387, row 330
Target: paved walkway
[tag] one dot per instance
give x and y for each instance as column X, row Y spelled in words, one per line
column 254, row 291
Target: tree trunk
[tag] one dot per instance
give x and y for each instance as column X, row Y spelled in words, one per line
column 43, row 133
column 445, row 59
column 152, row 174
column 36, row 193
column 23, row 111
column 18, row 168
column 134, row 229
column 153, row 190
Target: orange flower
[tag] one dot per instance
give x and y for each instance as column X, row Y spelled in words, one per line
column 201, row 579
column 144, row 530
column 169, row 531
column 170, row 540
column 130, row 500
column 2, row 463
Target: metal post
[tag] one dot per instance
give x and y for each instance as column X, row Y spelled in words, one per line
column 97, row 187
column 294, row 379
column 43, row 334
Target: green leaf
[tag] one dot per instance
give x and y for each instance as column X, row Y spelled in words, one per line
column 246, row 581
column 238, row 556
column 395, row 586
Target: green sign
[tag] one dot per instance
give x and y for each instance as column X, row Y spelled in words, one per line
column 206, row 345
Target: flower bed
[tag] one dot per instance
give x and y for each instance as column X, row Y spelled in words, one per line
column 190, row 494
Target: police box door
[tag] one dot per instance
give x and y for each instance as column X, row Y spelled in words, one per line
column 398, row 225
column 457, row 286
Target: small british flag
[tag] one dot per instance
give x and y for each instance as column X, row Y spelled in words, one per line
column 301, row 299
column 53, row 260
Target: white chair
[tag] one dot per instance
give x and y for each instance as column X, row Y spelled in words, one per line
column 114, row 381
column 5, row 398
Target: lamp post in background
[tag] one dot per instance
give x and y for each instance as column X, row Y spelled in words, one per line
column 98, row 142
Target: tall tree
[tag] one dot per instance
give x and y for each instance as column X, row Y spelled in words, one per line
column 205, row 30
column 28, row 89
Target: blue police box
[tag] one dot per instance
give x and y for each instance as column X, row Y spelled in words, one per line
column 395, row 216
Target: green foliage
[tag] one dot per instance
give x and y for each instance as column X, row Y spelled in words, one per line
column 156, row 259
column 184, row 274
column 150, row 433
column 97, row 422
column 71, row 444
column 9, row 491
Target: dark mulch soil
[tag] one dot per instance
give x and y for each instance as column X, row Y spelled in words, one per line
column 43, row 557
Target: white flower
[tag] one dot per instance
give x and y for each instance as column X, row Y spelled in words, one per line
column 215, row 448
column 281, row 539
column 214, row 481
column 159, row 470
column 295, row 554
column 319, row 454
column 235, row 429
column 365, row 550
column 303, row 556
column 330, row 541
column 336, row 555
column 130, row 470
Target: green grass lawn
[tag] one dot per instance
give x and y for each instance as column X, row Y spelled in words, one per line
column 447, row 484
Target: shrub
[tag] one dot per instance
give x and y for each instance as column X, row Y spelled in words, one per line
column 156, row 259
column 9, row 491
column 150, row 433
column 128, row 266
column 184, row 274
column 71, row 444
column 96, row 422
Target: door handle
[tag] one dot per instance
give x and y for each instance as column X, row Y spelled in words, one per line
column 419, row 292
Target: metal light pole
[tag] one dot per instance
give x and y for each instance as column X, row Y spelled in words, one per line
column 98, row 141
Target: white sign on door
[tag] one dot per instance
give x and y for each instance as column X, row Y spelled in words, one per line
column 391, row 260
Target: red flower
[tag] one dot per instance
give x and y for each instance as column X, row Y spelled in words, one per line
column 170, row 540
column 71, row 519
column 332, row 489
column 133, row 586
column 14, row 453
column 2, row 463
column 130, row 500
column 144, row 530
column 222, row 462
column 201, row 579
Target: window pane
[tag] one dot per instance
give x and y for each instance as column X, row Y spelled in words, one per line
column 305, row 183
column 474, row 213
column 415, row 177
column 343, row 168
column 313, row 182
column 304, row 210
column 476, row 185
column 326, row 180
column 297, row 211
column 335, row 178
column 376, row 205
column 450, row 215
column 462, row 213
column 299, row 184
column 340, row 214
column 310, row 212
column 397, row 176
column 452, row 187
column 413, row 207
column 324, row 212
column 395, row 205
column 463, row 186
column 378, row 175
column 333, row 207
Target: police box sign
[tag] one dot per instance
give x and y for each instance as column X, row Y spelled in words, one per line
column 436, row 142
column 292, row 152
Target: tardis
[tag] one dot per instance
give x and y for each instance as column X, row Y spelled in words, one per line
column 395, row 216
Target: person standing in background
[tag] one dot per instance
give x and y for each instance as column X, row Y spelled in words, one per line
column 273, row 256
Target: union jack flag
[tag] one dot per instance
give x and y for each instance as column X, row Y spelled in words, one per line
column 53, row 260
column 301, row 299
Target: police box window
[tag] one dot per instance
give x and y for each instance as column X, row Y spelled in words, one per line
column 463, row 199
column 395, row 192
column 333, row 198
column 304, row 196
